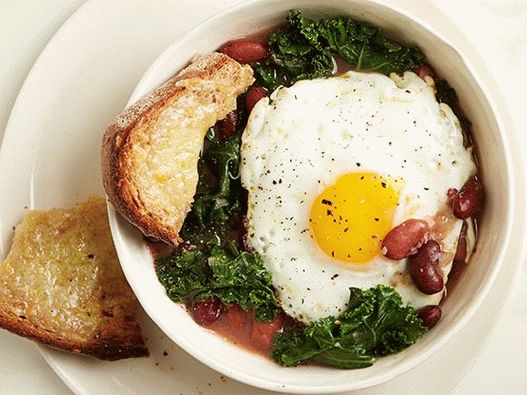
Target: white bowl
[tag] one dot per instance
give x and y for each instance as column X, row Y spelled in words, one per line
column 475, row 282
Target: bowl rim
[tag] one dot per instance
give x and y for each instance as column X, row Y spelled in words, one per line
column 474, row 304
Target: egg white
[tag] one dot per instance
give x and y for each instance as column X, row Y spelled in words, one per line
column 304, row 137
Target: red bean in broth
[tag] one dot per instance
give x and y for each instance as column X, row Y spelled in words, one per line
column 469, row 200
column 424, row 268
column 405, row 237
column 254, row 95
column 246, row 50
column 461, row 250
column 451, row 193
column 430, row 315
column 425, row 70
column 227, row 126
column 206, row 312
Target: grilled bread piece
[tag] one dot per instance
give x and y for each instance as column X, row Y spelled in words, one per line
column 62, row 284
column 150, row 152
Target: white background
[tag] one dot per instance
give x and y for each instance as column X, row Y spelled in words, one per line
column 498, row 29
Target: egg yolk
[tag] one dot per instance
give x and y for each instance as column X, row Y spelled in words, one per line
column 350, row 218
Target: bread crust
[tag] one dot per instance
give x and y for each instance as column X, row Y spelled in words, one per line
column 62, row 285
column 117, row 145
column 102, row 347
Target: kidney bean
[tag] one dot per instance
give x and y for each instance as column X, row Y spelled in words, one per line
column 469, row 200
column 451, row 193
column 206, row 312
column 425, row 70
column 253, row 96
column 461, row 250
column 227, row 126
column 262, row 332
column 430, row 315
column 401, row 240
column 424, row 268
column 245, row 50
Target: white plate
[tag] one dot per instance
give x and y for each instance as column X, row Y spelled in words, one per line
column 50, row 158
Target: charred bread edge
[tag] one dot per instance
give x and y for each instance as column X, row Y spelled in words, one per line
column 99, row 348
column 115, row 147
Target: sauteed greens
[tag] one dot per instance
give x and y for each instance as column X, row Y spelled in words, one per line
column 304, row 48
column 227, row 273
column 376, row 323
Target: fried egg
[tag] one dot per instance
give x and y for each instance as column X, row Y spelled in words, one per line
column 331, row 166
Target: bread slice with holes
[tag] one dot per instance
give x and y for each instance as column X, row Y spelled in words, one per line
column 150, row 152
column 62, row 285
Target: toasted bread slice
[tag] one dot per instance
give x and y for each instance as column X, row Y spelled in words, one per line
column 62, row 284
column 150, row 152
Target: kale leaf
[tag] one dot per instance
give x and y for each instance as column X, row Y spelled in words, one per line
column 304, row 48
column 367, row 48
column 230, row 275
column 446, row 94
column 216, row 201
column 375, row 323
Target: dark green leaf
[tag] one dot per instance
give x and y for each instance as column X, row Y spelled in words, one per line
column 184, row 275
column 230, row 275
column 345, row 358
column 304, row 49
column 376, row 323
column 219, row 194
column 445, row 93
column 365, row 47
column 271, row 76
column 292, row 346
